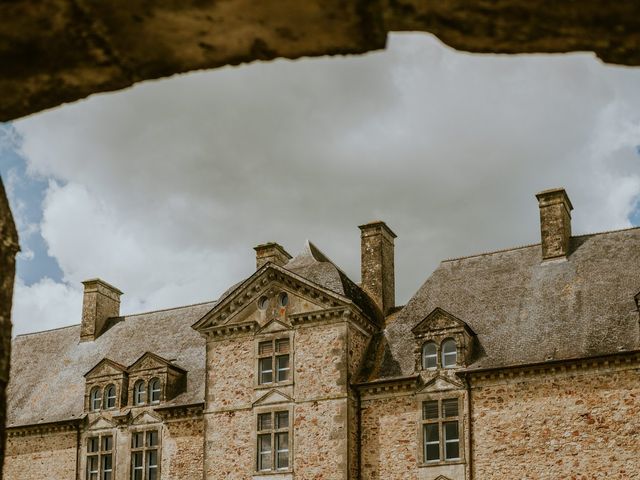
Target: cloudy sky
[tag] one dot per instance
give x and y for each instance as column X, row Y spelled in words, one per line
column 163, row 189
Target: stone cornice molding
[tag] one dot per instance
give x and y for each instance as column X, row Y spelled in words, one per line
column 230, row 331
column 388, row 387
column 176, row 412
column 44, row 428
column 332, row 315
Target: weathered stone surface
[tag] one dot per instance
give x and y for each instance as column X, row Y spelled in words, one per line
column 46, row 455
column 63, row 50
column 578, row 425
column 8, row 249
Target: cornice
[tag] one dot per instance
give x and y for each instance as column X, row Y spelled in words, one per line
column 388, row 387
column 38, row 429
column 331, row 315
column 230, row 331
column 175, row 412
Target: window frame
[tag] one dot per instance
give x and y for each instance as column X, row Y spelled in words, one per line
column 443, row 354
column 151, row 391
column 95, row 394
column 107, row 397
column 100, row 454
column 144, row 450
column 143, row 391
column 273, row 434
column 274, row 355
column 440, row 421
column 434, row 356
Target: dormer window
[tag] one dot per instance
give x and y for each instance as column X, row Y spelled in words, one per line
column 139, row 393
column 96, row 399
column 110, row 396
column 154, row 390
column 449, row 353
column 429, row 355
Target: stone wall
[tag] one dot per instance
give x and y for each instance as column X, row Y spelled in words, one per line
column 558, row 424
column 182, row 449
column 48, row 455
column 8, row 249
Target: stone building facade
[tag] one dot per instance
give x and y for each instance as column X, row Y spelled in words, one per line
column 523, row 360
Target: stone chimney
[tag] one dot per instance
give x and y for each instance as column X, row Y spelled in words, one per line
column 555, row 223
column 101, row 301
column 376, row 264
column 271, row 252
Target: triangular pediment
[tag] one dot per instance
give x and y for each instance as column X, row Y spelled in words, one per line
column 272, row 397
column 106, row 367
column 240, row 303
column 148, row 361
column 441, row 383
column 440, row 319
column 145, row 418
column 273, row 326
column 101, row 423
column 442, row 477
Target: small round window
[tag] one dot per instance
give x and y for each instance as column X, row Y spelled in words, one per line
column 263, row 303
column 283, row 299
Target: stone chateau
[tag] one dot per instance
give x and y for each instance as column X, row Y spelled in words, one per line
column 517, row 364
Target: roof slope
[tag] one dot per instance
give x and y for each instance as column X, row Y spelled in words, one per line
column 525, row 311
column 47, row 368
column 315, row 266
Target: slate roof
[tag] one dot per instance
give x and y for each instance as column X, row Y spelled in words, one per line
column 525, row 311
column 316, row 267
column 47, row 368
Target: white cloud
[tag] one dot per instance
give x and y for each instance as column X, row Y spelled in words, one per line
column 164, row 188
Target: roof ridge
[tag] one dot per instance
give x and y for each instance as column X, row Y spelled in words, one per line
column 167, row 309
column 520, row 247
column 47, row 330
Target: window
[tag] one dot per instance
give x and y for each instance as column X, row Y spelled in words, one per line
column 144, row 455
column 449, row 353
column 263, row 303
column 441, row 430
column 273, row 361
column 283, row 299
column 110, row 396
column 138, row 393
column 100, row 457
column 429, row 355
column 95, row 399
column 273, row 441
column 154, row 390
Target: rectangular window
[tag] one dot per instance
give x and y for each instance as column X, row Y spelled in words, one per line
column 441, row 430
column 273, row 361
column 273, row 441
column 145, row 446
column 100, row 457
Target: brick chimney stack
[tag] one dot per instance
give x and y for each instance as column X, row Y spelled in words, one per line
column 555, row 223
column 377, row 264
column 100, row 302
column 271, row 252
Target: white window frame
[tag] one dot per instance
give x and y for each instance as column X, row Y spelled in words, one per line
column 95, row 396
column 274, row 355
column 440, row 421
column 108, row 398
column 152, row 390
column 145, row 451
column 139, row 393
column 100, row 454
column 445, row 354
column 273, row 433
column 433, row 356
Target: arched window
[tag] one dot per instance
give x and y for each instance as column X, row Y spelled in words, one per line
column 449, row 353
column 138, row 393
column 154, row 390
column 95, row 399
column 110, row 396
column 429, row 355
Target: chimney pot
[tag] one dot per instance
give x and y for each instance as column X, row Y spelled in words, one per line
column 377, row 264
column 555, row 223
column 271, row 252
column 100, row 302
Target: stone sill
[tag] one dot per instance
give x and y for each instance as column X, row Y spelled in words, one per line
column 440, row 464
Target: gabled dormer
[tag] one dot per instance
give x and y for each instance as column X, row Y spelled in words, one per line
column 105, row 386
column 443, row 341
column 155, row 380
